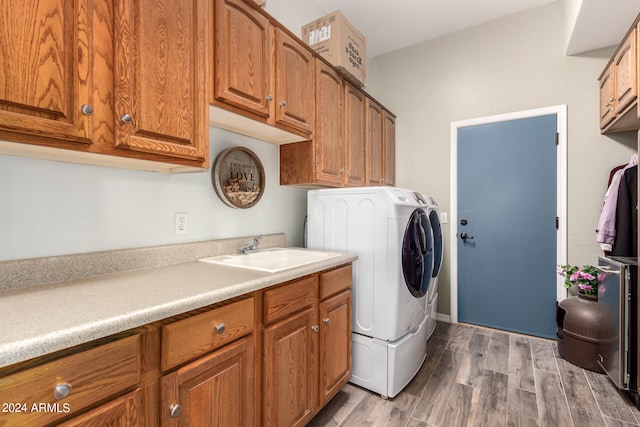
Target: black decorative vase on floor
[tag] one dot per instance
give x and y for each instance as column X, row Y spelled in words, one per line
column 579, row 321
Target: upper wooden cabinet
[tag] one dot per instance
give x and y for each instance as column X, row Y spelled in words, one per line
column 260, row 72
column 118, row 83
column 354, row 136
column 159, row 77
column 46, row 50
column 241, row 66
column 607, row 105
column 625, row 68
column 340, row 154
column 294, row 84
column 618, row 85
column 329, row 153
column 388, row 148
column 374, row 142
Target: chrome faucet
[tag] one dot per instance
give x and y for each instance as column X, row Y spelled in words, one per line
column 253, row 247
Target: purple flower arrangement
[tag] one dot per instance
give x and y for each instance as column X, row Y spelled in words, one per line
column 586, row 278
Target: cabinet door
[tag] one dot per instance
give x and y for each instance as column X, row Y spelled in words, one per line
column 327, row 137
column 607, row 112
column 159, row 77
column 354, row 128
column 389, row 148
column 290, row 370
column 242, row 52
column 294, row 84
column 121, row 412
column 45, row 69
column 216, row 390
column 625, row 79
column 374, row 143
column 335, row 344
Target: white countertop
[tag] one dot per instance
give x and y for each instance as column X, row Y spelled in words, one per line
column 40, row 320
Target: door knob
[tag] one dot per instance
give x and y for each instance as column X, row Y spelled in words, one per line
column 465, row 236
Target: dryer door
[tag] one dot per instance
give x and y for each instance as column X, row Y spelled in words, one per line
column 417, row 253
column 437, row 242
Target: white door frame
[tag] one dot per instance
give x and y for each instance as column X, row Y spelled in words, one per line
column 561, row 167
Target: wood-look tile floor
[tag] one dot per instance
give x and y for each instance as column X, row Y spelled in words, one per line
column 482, row 377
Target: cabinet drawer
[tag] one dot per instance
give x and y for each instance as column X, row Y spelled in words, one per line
column 121, row 412
column 189, row 338
column 289, row 298
column 335, row 281
column 92, row 375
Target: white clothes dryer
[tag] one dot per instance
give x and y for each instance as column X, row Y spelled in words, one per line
column 389, row 229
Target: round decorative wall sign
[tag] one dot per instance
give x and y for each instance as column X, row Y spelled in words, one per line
column 238, row 177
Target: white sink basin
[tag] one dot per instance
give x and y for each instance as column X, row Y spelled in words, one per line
column 271, row 260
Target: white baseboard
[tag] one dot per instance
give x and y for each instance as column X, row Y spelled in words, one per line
column 443, row 317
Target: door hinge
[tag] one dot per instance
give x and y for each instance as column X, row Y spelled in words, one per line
column 557, row 138
column 557, row 223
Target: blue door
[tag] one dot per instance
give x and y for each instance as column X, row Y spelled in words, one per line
column 507, row 225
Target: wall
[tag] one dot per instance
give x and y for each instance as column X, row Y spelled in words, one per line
column 513, row 64
column 54, row 208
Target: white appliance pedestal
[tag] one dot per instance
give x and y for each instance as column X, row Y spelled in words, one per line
column 402, row 359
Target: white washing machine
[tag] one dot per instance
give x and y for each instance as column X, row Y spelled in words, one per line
column 438, row 251
column 389, row 229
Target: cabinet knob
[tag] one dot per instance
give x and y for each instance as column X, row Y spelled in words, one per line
column 269, row 98
column 61, row 391
column 326, row 321
column 342, row 170
column 175, row 410
column 87, row 109
column 220, row 328
column 126, row 118
column 611, row 99
column 315, row 328
column 283, row 104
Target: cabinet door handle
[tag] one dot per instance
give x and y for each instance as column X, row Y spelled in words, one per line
column 315, row 328
column 220, row 328
column 283, row 104
column 61, row 391
column 126, row 118
column 87, row 109
column 326, row 321
column 175, row 410
column 269, row 98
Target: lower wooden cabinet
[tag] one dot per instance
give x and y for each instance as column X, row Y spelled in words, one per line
column 335, row 345
column 121, row 412
column 274, row 357
column 307, row 355
column 57, row 389
column 290, row 370
column 215, row 390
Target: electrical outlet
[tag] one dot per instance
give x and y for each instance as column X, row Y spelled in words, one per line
column 181, row 222
column 444, row 218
